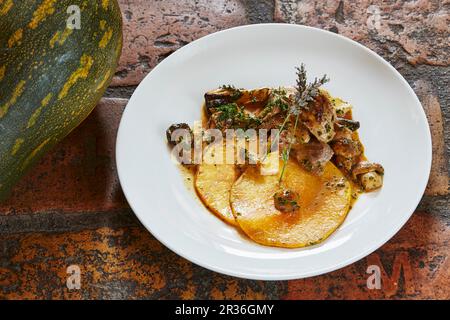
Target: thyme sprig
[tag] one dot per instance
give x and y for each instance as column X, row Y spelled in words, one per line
column 287, row 151
column 277, row 136
column 306, row 93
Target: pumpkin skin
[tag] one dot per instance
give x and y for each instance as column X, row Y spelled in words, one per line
column 51, row 76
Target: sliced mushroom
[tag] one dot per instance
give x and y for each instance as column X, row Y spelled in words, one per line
column 249, row 99
column 369, row 174
column 347, row 123
column 173, row 128
column 371, row 181
column 221, row 96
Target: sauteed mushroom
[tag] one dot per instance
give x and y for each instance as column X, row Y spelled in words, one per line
column 250, row 99
column 347, row 123
column 175, row 127
column 286, row 200
column 221, row 96
column 369, row 174
column 346, row 146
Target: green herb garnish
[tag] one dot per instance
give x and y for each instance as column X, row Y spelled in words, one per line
column 306, row 93
column 236, row 114
column 235, row 92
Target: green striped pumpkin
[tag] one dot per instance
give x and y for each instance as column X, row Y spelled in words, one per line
column 51, row 75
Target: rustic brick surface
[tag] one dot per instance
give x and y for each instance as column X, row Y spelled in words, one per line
column 155, row 29
column 417, row 30
column 129, row 263
column 126, row 263
column 438, row 182
column 70, row 209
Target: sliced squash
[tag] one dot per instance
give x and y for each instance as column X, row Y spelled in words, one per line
column 213, row 182
column 324, row 202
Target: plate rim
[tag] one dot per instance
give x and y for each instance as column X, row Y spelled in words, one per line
column 291, row 276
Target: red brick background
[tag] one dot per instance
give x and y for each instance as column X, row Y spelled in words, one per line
column 70, row 208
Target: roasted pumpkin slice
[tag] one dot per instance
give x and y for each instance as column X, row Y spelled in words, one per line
column 323, row 203
column 213, row 182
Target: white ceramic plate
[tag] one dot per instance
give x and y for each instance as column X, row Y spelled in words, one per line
column 394, row 130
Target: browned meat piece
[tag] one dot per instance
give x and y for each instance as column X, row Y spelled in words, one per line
column 313, row 155
column 274, row 112
column 301, row 134
column 319, row 117
column 369, row 174
column 273, row 121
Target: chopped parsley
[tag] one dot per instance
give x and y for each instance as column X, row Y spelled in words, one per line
column 234, row 115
